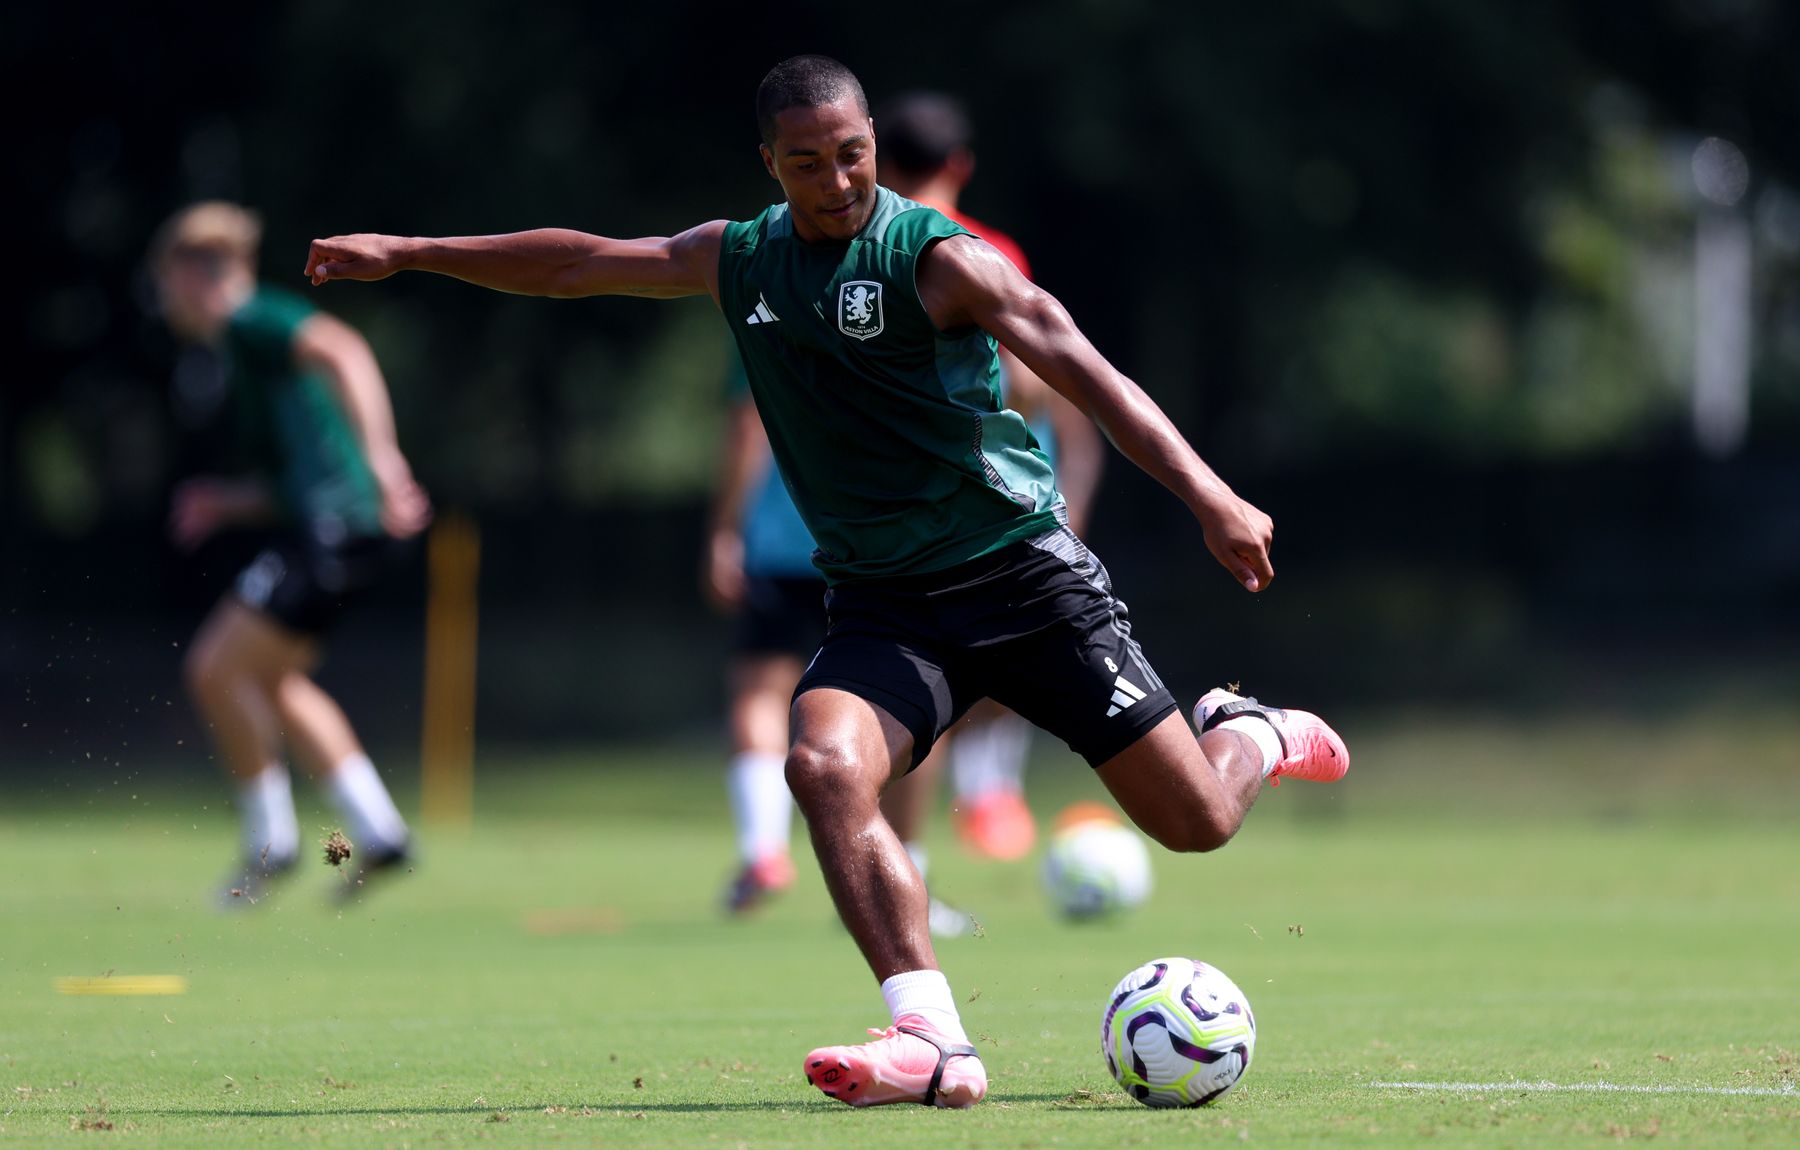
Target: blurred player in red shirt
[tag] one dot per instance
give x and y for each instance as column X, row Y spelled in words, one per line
column 926, row 155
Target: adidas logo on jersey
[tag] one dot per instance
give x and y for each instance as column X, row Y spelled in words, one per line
column 762, row 314
column 1125, row 693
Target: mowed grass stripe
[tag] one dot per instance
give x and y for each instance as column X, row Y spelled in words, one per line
column 1587, row 1088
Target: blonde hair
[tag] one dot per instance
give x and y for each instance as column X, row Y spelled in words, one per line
column 209, row 226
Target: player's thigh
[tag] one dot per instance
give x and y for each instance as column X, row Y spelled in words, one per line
column 1081, row 676
column 238, row 641
column 1164, row 782
column 844, row 746
column 762, row 689
column 881, row 648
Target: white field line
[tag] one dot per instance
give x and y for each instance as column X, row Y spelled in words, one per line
column 1787, row 1091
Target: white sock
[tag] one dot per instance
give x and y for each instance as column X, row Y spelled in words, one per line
column 921, row 858
column 760, row 804
column 990, row 756
column 359, row 796
column 1260, row 733
column 266, row 806
column 925, row 993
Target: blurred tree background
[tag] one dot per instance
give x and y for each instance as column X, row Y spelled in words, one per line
column 1436, row 283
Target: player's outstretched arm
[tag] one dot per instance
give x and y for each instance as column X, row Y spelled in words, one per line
column 963, row 280
column 551, row 262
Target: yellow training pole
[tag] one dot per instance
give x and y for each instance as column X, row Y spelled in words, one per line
column 447, row 740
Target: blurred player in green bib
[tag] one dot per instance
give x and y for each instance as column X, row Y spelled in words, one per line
column 322, row 470
column 869, row 326
column 758, row 568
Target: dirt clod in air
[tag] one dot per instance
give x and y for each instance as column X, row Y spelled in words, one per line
column 337, row 848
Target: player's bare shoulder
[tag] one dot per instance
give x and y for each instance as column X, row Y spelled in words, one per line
column 697, row 250
column 701, row 240
column 962, row 278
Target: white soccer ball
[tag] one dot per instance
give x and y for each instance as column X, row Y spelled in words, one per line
column 1096, row 865
column 1177, row 1032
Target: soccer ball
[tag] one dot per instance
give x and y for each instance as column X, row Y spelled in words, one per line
column 1096, row 865
column 1177, row 1033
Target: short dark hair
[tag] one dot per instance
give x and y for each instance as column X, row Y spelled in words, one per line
column 919, row 131
column 804, row 82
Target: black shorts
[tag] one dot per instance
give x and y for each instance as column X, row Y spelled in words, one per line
column 782, row 615
column 1034, row 626
column 305, row 582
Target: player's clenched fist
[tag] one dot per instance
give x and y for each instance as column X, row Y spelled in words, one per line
column 358, row 257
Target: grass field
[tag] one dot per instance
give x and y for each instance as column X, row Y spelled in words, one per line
column 1604, row 907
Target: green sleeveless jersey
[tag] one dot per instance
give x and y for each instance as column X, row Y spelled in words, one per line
column 889, row 433
column 291, row 424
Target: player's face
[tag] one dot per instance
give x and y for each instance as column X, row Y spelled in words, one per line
column 198, row 292
column 824, row 158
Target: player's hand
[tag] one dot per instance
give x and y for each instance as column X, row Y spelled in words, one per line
column 200, row 507
column 1239, row 537
column 194, row 513
column 405, row 508
column 362, row 257
column 722, row 579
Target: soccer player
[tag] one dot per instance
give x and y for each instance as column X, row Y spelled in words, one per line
column 867, row 324
column 759, row 566
column 313, row 415
column 927, row 155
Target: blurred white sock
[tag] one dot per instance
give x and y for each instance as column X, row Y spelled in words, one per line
column 760, row 804
column 989, row 756
column 266, row 807
column 356, row 790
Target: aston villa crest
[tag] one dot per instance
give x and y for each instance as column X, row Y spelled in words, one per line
column 859, row 309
